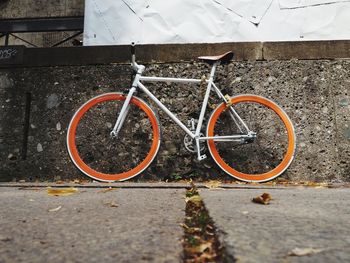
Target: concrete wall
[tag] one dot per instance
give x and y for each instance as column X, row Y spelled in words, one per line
column 39, row 8
column 314, row 93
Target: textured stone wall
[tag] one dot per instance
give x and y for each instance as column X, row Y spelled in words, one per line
column 315, row 94
column 39, row 8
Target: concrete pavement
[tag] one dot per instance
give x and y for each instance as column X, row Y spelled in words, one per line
column 123, row 225
column 296, row 218
column 141, row 223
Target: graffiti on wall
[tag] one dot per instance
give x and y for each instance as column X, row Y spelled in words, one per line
column 7, row 53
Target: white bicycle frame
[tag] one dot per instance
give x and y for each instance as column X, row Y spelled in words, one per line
column 196, row 135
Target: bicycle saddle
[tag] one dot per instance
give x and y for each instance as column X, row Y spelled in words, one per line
column 223, row 58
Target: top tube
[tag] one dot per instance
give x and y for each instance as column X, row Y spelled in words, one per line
column 166, row 79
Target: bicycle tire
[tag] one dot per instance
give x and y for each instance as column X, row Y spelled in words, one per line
column 276, row 133
column 89, row 141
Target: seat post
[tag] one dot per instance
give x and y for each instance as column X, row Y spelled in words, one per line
column 213, row 69
column 204, row 107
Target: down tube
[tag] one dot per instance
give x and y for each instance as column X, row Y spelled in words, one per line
column 165, row 109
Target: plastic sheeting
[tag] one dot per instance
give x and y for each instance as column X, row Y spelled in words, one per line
column 287, row 4
column 115, row 22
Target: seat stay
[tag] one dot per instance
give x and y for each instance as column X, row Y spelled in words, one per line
column 233, row 113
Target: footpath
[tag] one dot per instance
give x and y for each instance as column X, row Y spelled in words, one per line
column 129, row 222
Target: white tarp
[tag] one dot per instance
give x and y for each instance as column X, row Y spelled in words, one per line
column 247, row 9
column 307, row 3
column 115, row 22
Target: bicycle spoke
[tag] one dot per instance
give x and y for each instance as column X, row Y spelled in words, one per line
column 262, row 156
column 110, row 158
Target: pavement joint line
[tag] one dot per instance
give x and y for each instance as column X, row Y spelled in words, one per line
column 140, row 186
column 198, row 217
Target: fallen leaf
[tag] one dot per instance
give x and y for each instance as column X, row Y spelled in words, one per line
column 55, row 209
column 61, row 191
column 111, row 204
column 206, row 257
column 299, row 252
column 213, row 184
column 184, row 226
column 208, row 233
column 79, row 181
column 194, row 230
column 200, row 248
column 190, row 230
column 239, row 182
column 264, row 199
column 194, row 199
column 107, row 190
column 59, row 182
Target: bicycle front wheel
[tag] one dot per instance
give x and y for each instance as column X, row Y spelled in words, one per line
column 256, row 160
column 101, row 157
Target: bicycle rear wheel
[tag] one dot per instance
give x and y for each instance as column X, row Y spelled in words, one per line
column 263, row 158
column 103, row 158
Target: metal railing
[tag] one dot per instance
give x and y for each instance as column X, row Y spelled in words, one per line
column 10, row 27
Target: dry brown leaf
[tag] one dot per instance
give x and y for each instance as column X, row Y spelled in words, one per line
column 313, row 184
column 111, row 204
column 76, row 181
column 299, row 252
column 55, row 209
column 323, row 185
column 209, row 234
column 239, row 182
column 194, row 199
column 264, row 199
column 193, row 230
column 184, row 226
column 79, row 181
column 206, row 257
column 200, row 248
column 213, row 184
column 61, row 191
column 107, row 190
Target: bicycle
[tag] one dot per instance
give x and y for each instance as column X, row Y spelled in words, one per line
column 250, row 137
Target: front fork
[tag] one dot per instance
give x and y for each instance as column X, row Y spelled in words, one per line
column 126, row 106
column 123, row 113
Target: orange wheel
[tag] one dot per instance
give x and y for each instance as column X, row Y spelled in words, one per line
column 103, row 158
column 256, row 160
